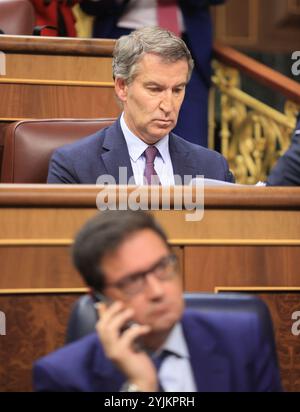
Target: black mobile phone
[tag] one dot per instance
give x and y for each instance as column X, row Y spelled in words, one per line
column 100, row 298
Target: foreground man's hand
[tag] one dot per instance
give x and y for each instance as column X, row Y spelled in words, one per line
column 121, row 347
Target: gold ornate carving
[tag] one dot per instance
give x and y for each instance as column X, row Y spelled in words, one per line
column 253, row 135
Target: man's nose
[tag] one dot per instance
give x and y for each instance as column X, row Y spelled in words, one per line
column 154, row 286
column 166, row 103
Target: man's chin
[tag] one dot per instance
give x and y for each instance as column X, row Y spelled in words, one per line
column 158, row 133
column 159, row 331
column 163, row 323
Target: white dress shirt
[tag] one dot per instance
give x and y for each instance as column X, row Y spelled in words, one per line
column 175, row 373
column 136, row 148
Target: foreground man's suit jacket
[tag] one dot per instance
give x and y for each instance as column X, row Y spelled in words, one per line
column 230, row 355
column 105, row 151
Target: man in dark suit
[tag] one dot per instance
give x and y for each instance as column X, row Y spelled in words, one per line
column 286, row 172
column 151, row 68
column 115, row 18
column 125, row 256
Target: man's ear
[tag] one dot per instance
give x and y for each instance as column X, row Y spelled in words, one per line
column 121, row 89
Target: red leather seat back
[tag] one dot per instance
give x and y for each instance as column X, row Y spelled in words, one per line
column 29, row 144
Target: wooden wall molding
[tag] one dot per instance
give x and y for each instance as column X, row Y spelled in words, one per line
column 229, row 197
column 56, row 82
column 57, row 45
column 172, row 242
column 220, row 289
column 38, row 291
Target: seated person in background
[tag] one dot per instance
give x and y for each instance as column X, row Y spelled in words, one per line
column 124, row 255
column 151, row 68
column 287, row 170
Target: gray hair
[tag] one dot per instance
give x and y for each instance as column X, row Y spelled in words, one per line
column 130, row 49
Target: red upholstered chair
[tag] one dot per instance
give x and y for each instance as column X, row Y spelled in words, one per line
column 29, row 144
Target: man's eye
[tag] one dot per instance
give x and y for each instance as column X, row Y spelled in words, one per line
column 161, row 267
column 154, row 89
column 135, row 278
column 177, row 91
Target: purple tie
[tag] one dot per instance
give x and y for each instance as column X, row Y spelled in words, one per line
column 150, row 173
column 158, row 360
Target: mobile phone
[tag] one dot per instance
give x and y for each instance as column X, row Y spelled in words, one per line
column 100, row 298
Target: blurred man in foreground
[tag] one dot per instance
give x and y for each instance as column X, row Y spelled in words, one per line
column 124, row 255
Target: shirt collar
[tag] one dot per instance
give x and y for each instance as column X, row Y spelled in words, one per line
column 176, row 343
column 163, row 147
column 136, row 146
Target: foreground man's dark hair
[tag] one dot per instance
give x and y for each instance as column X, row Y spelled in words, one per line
column 102, row 235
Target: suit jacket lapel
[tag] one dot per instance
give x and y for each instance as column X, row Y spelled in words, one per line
column 211, row 369
column 116, row 154
column 180, row 159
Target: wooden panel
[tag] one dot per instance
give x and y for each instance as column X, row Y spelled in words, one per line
column 287, row 12
column 282, row 34
column 35, row 326
column 261, row 25
column 237, row 22
column 37, row 267
column 43, row 67
column 229, row 225
column 44, row 267
column 37, row 223
column 45, row 59
column 240, row 266
column 20, row 101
